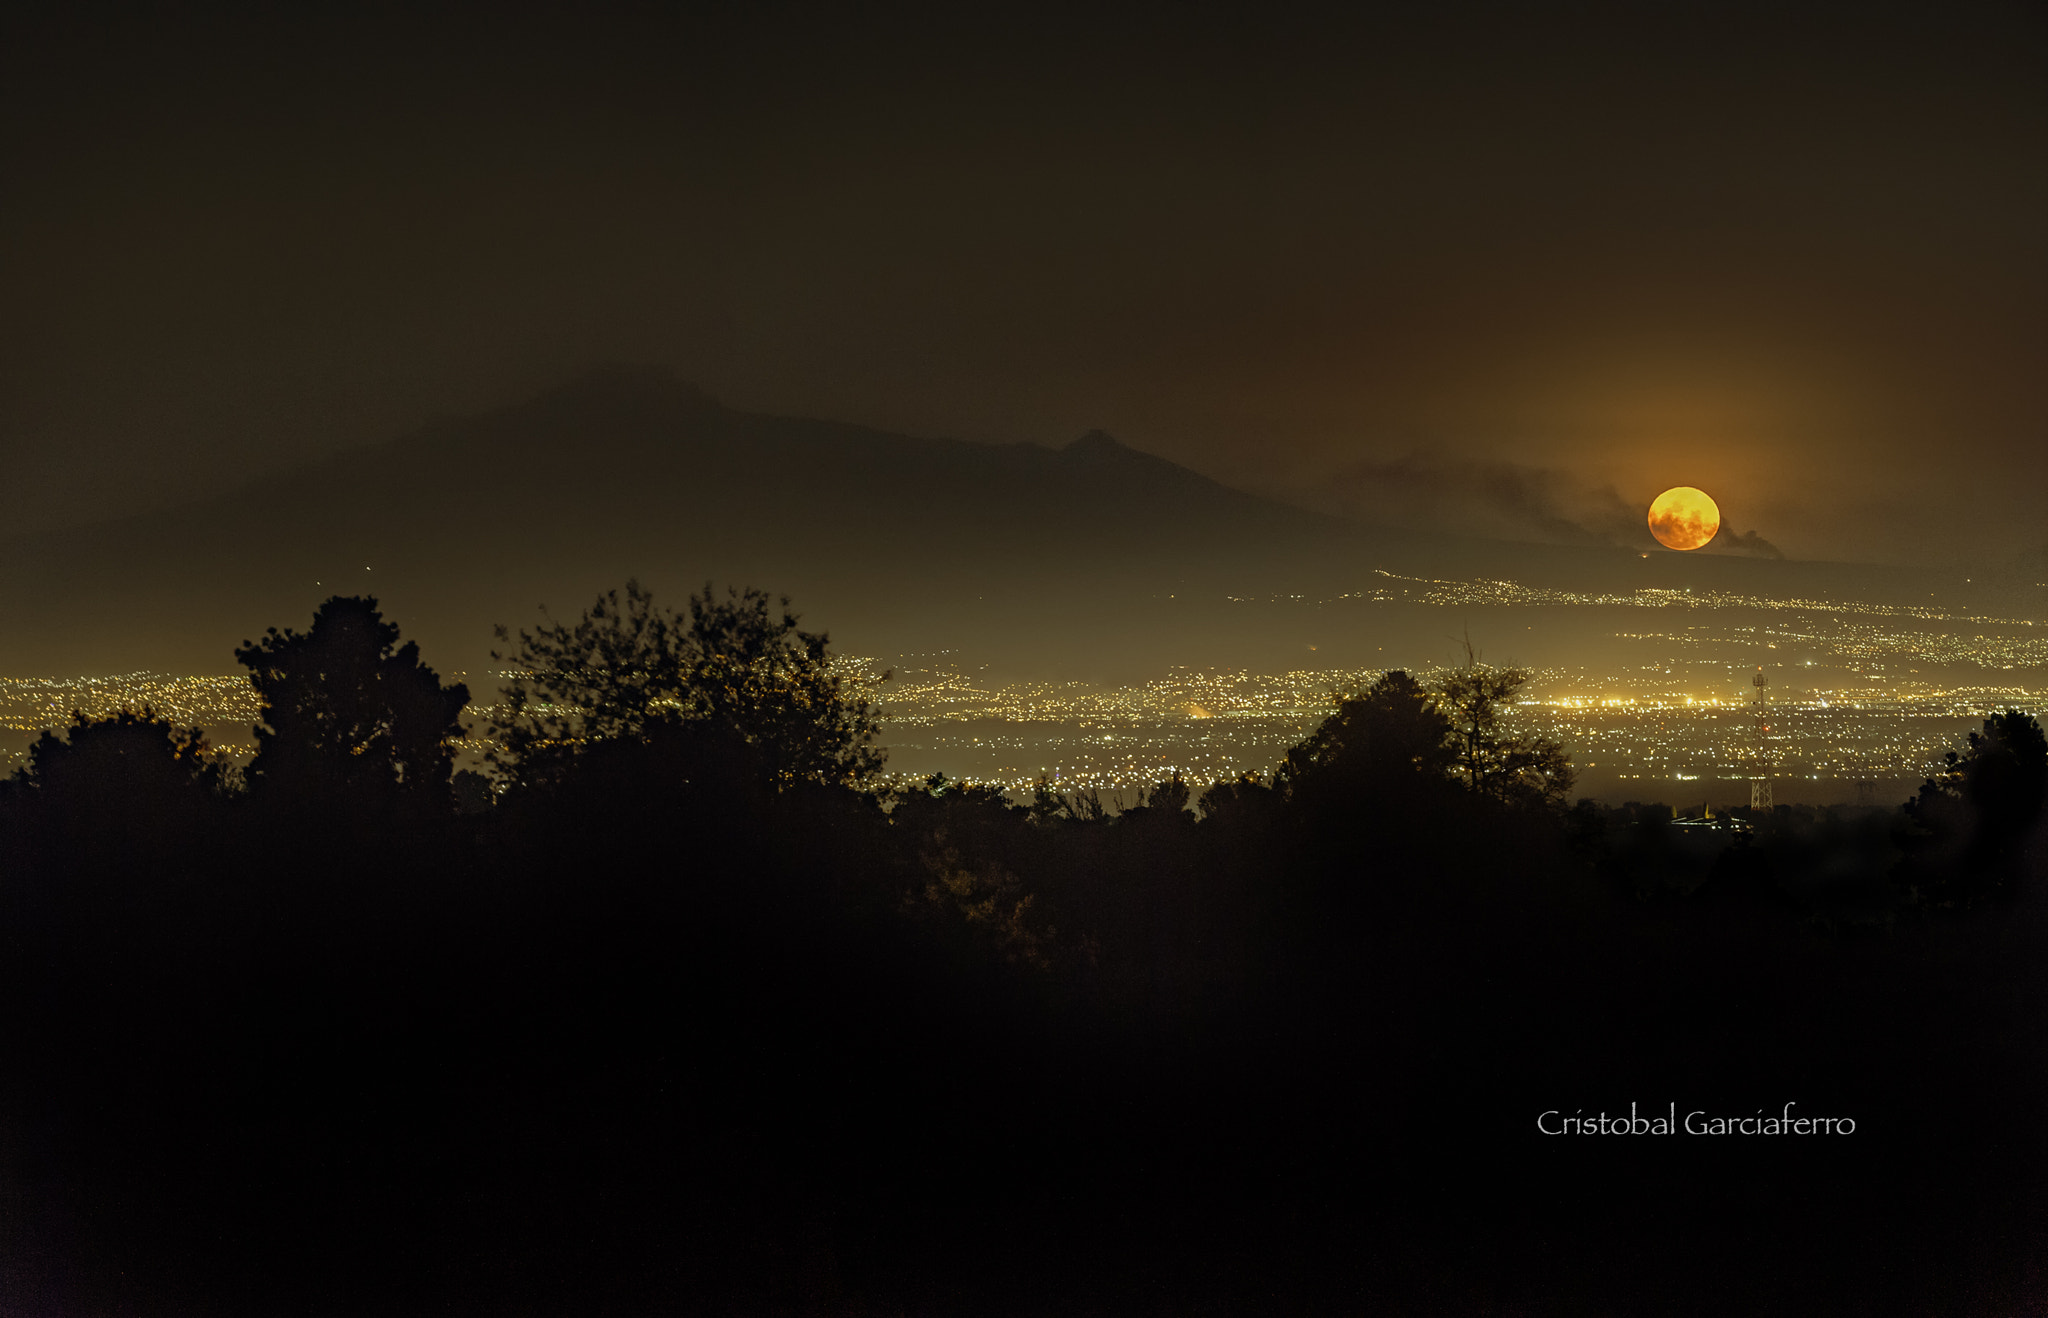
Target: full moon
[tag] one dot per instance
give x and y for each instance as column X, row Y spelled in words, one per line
column 1684, row 518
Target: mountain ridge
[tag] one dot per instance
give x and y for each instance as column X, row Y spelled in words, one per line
column 892, row 542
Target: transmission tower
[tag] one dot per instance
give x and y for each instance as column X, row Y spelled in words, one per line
column 1760, row 783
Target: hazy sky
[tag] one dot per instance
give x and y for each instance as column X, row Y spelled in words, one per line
column 1796, row 256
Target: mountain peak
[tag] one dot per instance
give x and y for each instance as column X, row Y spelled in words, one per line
column 638, row 386
column 1096, row 443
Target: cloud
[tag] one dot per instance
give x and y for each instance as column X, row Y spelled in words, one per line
column 1504, row 500
column 1733, row 541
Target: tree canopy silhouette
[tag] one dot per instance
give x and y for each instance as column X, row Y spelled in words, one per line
column 1393, row 732
column 1973, row 816
column 108, row 782
column 350, row 715
column 734, row 670
column 128, row 757
column 1493, row 759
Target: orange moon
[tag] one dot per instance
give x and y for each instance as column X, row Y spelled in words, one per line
column 1684, row 518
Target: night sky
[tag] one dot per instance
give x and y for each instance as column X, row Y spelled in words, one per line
column 1503, row 269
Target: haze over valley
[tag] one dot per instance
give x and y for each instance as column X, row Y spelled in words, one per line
column 1088, row 614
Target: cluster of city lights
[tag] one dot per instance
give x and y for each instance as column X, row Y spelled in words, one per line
column 1850, row 695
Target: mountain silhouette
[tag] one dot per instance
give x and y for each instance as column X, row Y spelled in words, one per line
column 1089, row 559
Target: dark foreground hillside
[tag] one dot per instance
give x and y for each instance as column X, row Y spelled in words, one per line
column 666, row 1032
column 612, row 1061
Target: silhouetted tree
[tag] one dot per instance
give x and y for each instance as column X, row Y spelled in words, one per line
column 1169, row 797
column 1047, row 806
column 112, row 785
column 472, row 792
column 735, row 668
column 127, row 759
column 1086, row 806
column 349, row 715
column 1971, row 819
column 1246, row 798
column 1493, row 761
column 1393, row 732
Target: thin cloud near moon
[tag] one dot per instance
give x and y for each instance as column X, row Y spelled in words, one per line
column 1478, row 498
column 1501, row 499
